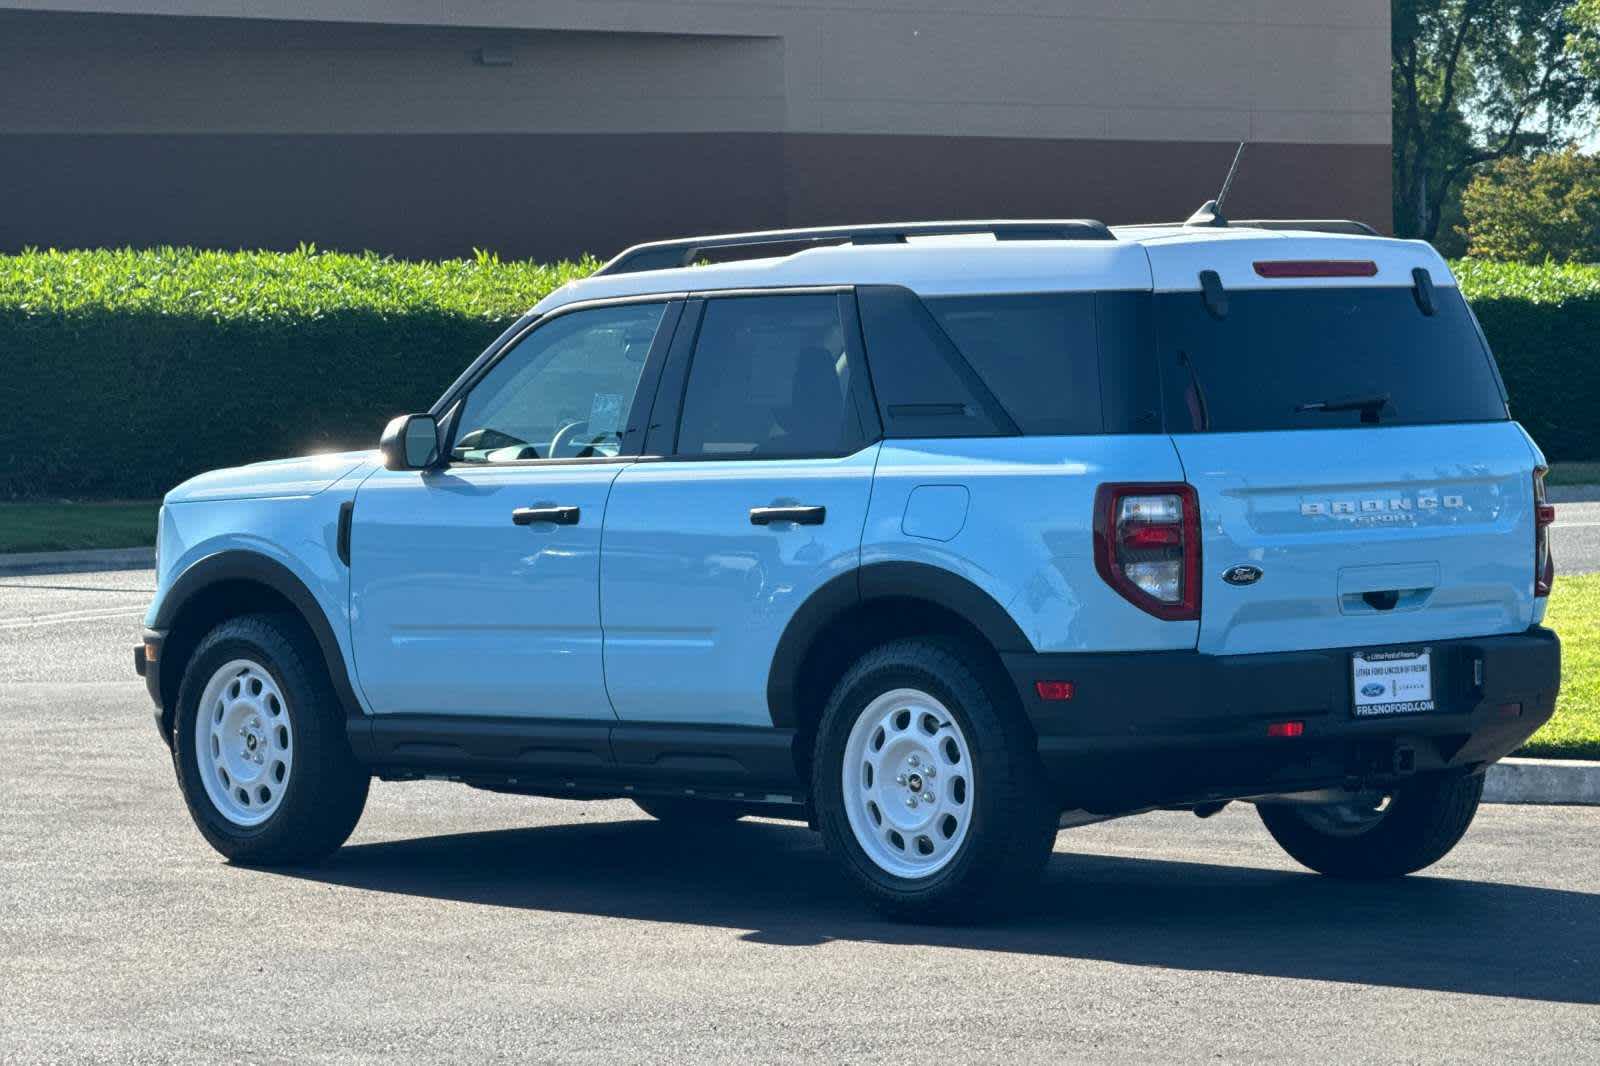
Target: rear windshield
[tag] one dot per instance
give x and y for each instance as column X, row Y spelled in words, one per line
column 1322, row 358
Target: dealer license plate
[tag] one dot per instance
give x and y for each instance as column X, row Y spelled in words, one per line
column 1392, row 682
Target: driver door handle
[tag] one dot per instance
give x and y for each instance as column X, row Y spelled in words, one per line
column 800, row 516
column 560, row 516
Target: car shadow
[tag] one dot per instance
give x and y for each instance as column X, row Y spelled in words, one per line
column 774, row 880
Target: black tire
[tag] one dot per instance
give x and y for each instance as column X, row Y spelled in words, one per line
column 1426, row 817
column 326, row 789
column 1013, row 821
column 679, row 810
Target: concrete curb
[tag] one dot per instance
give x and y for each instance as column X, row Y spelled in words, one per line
column 1556, row 781
column 77, row 562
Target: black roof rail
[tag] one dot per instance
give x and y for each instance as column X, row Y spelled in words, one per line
column 663, row 255
column 1348, row 227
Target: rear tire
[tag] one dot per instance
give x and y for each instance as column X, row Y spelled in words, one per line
column 267, row 774
column 927, row 784
column 1425, row 818
column 676, row 810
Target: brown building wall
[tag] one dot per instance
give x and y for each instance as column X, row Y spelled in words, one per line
column 623, row 121
column 547, row 195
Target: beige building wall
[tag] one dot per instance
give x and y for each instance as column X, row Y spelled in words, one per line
column 744, row 112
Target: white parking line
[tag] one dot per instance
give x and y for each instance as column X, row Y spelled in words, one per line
column 76, row 616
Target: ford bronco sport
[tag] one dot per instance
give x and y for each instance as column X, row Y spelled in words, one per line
column 939, row 537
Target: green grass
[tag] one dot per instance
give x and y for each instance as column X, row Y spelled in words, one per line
column 1574, row 732
column 1573, row 474
column 43, row 527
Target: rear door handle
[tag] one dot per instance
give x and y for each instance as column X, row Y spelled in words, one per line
column 801, row 516
column 560, row 516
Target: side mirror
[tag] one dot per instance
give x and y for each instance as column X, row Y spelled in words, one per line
column 410, row 442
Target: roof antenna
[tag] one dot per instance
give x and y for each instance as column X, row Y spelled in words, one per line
column 1210, row 214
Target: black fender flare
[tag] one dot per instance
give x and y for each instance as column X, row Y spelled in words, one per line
column 880, row 581
column 243, row 565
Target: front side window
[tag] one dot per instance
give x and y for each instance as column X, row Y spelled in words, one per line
column 563, row 391
column 770, row 378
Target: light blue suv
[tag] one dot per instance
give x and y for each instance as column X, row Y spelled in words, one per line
column 939, row 537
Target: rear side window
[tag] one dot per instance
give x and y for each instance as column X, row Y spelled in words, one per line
column 1038, row 353
column 770, row 378
column 1322, row 358
column 923, row 385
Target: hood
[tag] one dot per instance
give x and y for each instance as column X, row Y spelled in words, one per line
column 305, row 476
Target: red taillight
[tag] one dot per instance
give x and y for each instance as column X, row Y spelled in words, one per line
column 1147, row 546
column 1053, row 690
column 1544, row 515
column 1316, row 268
column 1286, row 729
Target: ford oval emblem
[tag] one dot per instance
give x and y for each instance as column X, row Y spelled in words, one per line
column 1242, row 575
column 1373, row 688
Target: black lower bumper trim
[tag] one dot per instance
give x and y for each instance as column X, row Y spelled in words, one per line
column 150, row 669
column 1162, row 726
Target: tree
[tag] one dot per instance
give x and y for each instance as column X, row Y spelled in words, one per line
column 1480, row 80
column 1547, row 207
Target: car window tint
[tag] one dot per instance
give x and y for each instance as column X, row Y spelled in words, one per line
column 1038, row 353
column 563, row 391
column 1323, row 358
column 923, row 386
column 770, row 377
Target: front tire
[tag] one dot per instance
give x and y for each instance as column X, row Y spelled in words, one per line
column 261, row 751
column 1423, row 820
column 927, row 784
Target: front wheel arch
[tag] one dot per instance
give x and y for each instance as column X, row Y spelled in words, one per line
column 228, row 585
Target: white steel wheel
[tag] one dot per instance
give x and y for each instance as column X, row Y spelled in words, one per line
column 908, row 783
column 244, row 742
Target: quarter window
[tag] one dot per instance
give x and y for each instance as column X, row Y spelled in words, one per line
column 770, row 378
column 563, row 392
column 1039, row 354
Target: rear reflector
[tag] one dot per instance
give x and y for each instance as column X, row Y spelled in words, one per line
column 1053, row 690
column 1286, row 729
column 1316, row 268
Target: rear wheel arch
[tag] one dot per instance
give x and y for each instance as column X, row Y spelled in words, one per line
column 869, row 606
column 228, row 585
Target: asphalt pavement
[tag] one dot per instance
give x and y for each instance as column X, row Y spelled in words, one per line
column 464, row 926
column 1575, row 538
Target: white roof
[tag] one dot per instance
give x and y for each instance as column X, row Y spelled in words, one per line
column 1143, row 258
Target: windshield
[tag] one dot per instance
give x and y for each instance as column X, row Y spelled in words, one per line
column 1322, row 358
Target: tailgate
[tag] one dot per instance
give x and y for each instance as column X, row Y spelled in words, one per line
column 1387, row 535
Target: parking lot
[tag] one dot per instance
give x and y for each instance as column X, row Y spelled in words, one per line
column 467, row 926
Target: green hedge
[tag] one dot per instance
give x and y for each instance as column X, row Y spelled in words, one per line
column 127, row 371
column 1544, row 325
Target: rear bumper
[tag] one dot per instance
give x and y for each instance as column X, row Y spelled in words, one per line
column 1156, row 728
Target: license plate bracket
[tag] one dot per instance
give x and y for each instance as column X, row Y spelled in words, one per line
column 1391, row 681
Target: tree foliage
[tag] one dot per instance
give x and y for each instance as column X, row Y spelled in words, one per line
column 1531, row 210
column 1480, row 80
